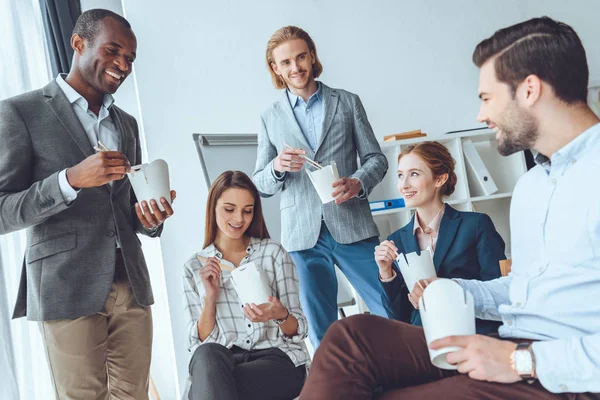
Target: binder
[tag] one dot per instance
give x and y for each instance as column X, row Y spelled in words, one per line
column 386, row 204
column 484, row 184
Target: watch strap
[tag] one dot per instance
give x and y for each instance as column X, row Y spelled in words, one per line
column 281, row 321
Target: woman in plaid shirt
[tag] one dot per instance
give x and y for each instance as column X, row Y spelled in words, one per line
column 245, row 351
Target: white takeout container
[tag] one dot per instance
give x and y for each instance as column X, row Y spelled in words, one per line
column 446, row 310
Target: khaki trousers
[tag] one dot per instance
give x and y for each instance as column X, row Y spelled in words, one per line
column 105, row 355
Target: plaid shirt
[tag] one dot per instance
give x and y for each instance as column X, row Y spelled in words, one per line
column 232, row 328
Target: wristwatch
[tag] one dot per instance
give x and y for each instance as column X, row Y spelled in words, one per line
column 522, row 361
column 281, row 321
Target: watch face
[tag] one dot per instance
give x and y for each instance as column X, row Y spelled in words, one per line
column 523, row 362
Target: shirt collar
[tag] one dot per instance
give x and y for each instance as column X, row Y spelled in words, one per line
column 75, row 98
column 435, row 223
column 570, row 152
column 295, row 99
column 212, row 251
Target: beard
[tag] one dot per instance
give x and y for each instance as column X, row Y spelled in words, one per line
column 519, row 130
column 300, row 85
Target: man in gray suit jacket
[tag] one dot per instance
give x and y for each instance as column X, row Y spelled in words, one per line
column 315, row 121
column 84, row 276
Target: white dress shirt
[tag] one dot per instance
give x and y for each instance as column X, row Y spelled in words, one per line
column 97, row 127
column 551, row 295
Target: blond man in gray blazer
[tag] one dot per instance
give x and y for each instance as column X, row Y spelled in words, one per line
column 325, row 125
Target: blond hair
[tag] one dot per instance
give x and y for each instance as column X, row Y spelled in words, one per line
column 281, row 36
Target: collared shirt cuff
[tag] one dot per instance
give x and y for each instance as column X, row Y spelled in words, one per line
column 212, row 338
column 394, row 275
column 557, row 367
column 69, row 194
column 280, row 177
column 362, row 194
column 302, row 330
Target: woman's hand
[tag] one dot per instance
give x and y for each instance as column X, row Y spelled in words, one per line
column 417, row 291
column 210, row 274
column 266, row 311
column 385, row 254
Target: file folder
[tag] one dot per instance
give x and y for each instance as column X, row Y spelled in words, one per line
column 483, row 183
column 386, row 204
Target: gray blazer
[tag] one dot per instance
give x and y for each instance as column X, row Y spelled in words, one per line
column 346, row 133
column 69, row 261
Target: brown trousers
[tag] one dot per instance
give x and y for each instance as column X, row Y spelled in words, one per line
column 105, row 355
column 369, row 357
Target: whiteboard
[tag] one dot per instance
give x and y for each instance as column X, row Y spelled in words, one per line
column 222, row 152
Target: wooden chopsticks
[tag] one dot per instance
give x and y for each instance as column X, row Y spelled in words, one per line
column 221, row 265
column 101, row 147
column 310, row 161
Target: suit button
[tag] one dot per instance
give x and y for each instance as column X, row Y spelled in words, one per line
column 113, row 197
column 110, row 233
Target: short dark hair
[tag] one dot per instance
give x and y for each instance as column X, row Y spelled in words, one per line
column 87, row 25
column 549, row 49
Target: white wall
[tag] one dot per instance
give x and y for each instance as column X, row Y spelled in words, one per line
column 200, row 68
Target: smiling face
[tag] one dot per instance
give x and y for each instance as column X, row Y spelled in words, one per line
column 234, row 212
column 107, row 61
column 416, row 182
column 293, row 61
column 516, row 129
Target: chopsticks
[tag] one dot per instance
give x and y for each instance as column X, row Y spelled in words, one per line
column 221, row 265
column 311, row 162
column 101, row 147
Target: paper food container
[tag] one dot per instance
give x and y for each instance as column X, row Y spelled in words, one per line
column 415, row 267
column 446, row 310
column 151, row 182
column 322, row 179
column 251, row 284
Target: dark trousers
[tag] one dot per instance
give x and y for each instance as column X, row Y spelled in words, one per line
column 227, row 374
column 363, row 354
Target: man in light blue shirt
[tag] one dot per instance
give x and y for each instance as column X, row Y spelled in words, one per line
column 309, row 115
column 533, row 87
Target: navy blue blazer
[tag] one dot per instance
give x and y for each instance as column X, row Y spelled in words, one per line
column 468, row 247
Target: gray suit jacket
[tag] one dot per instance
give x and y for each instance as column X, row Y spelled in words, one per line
column 69, row 263
column 346, row 133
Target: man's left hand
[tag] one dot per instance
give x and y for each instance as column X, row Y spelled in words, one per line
column 345, row 189
column 152, row 217
column 274, row 309
column 482, row 357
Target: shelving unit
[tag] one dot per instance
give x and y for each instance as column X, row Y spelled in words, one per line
column 505, row 172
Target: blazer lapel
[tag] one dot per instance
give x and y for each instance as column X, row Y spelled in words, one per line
column 116, row 117
column 409, row 240
column 64, row 112
column 330, row 103
column 284, row 105
column 448, row 228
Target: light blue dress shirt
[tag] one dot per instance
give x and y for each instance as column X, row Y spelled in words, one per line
column 309, row 115
column 97, row 127
column 552, row 293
